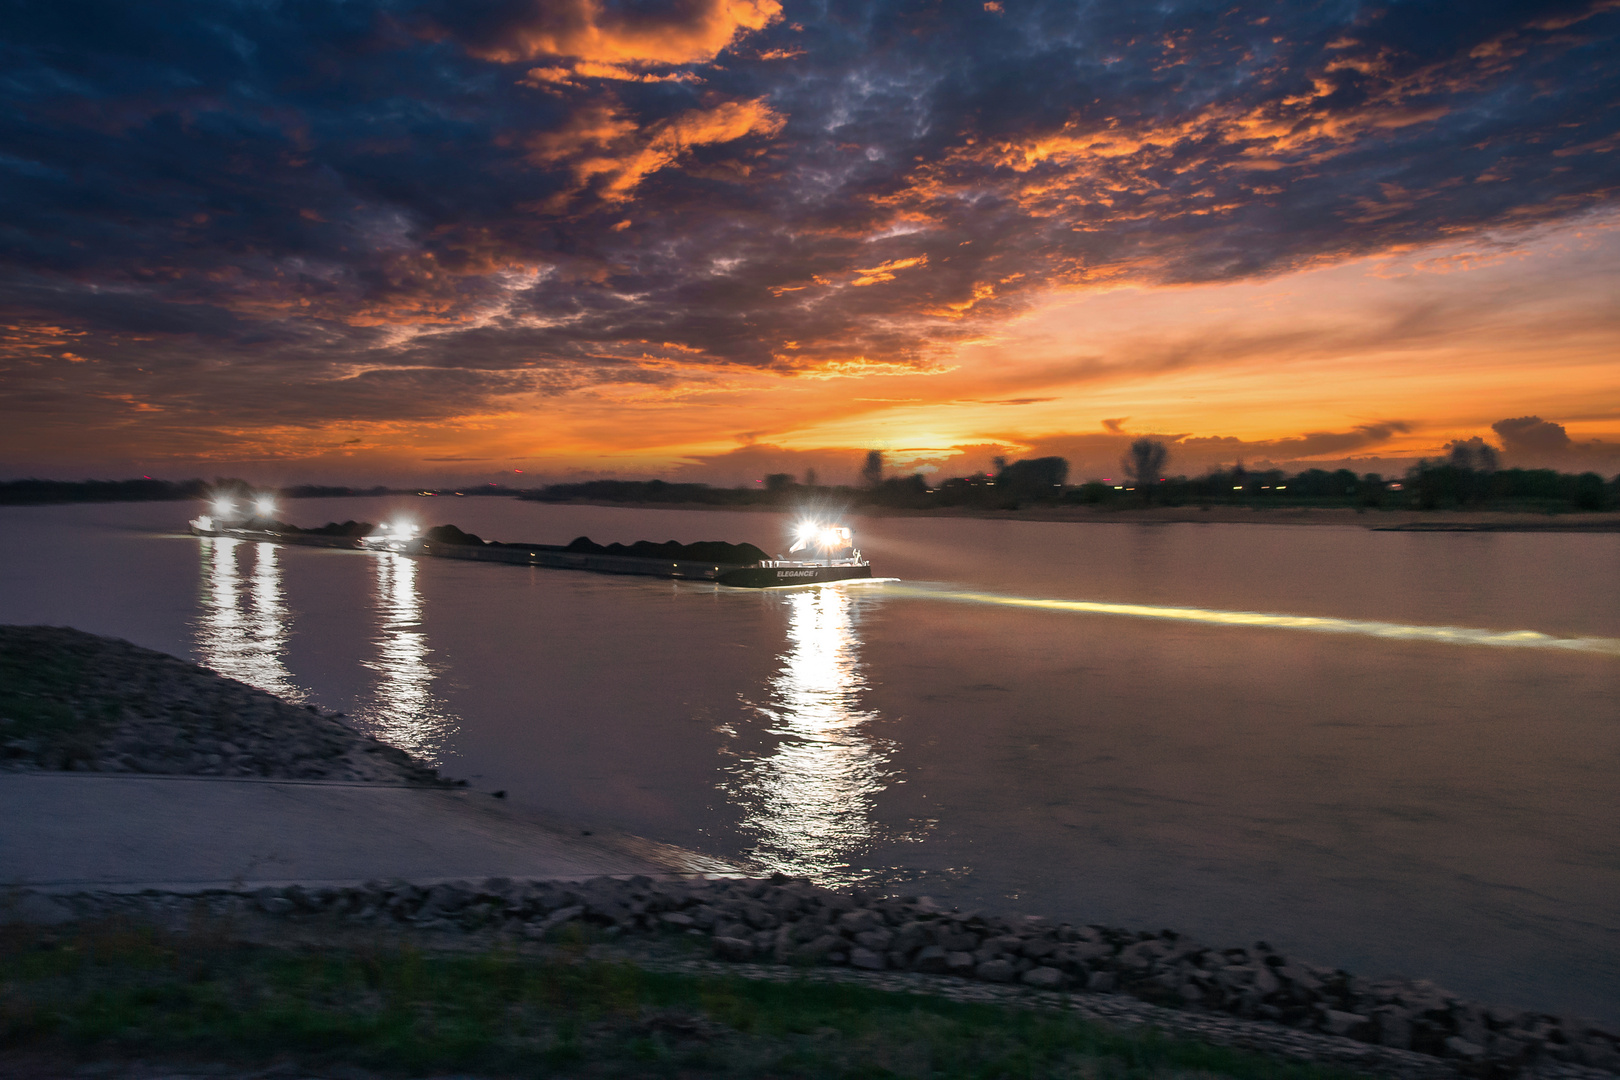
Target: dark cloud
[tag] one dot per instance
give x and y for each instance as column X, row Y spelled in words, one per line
column 393, row 210
column 1098, row 454
column 1530, row 441
column 1091, row 455
column 1531, row 435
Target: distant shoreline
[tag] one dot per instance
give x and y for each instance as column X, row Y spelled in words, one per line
column 1378, row 520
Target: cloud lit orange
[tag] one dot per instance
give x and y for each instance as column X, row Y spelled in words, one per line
column 718, row 236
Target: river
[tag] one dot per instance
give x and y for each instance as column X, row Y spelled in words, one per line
column 1411, row 764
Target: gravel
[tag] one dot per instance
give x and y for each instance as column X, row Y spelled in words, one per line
column 1251, row 997
column 76, row 701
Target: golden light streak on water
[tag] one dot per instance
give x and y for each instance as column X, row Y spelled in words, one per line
column 1451, row 635
column 243, row 629
column 404, row 711
column 809, row 801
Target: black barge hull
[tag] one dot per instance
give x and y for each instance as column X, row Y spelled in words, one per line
column 559, row 559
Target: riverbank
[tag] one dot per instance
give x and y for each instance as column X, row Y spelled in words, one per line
column 480, row 943
column 118, row 1001
column 76, row 701
column 776, row 924
column 1343, row 517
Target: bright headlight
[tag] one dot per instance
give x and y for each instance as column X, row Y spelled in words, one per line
column 265, row 506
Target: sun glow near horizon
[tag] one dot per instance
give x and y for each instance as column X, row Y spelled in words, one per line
column 1410, row 350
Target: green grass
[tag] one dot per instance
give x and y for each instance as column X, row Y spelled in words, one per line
column 122, row 990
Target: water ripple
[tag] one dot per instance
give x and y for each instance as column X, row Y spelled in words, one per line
column 243, row 629
column 404, row 712
column 808, row 802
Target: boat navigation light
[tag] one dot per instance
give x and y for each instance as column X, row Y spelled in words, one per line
column 223, row 506
column 265, row 505
column 830, row 539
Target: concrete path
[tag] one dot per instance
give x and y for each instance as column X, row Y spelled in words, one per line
column 67, row 832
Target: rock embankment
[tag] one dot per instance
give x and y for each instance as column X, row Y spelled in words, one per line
column 785, row 921
column 77, row 701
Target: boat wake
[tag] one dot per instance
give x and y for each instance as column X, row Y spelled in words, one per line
column 1450, row 635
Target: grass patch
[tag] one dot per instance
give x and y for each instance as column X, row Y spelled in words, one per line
column 124, row 990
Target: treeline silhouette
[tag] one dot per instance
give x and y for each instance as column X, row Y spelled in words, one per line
column 651, row 491
column 1464, row 480
column 42, row 492
column 1044, row 481
column 1424, row 487
column 25, row 492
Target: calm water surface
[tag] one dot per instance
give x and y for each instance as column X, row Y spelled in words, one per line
column 1365, row 797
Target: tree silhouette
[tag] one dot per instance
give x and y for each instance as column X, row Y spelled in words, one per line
column 1036, row 478
column 872, row 471
column 1145, row 464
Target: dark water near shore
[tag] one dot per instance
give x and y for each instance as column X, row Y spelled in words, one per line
column 1363, row 795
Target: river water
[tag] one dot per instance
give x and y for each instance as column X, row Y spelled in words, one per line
column 1412, row 764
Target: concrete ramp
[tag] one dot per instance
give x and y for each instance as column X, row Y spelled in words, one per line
column 70, row 832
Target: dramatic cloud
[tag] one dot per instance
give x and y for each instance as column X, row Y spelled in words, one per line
column 263, row 219
column 1099, row 454
column 1532, row 441
column 1532, row 436
column 682, row 32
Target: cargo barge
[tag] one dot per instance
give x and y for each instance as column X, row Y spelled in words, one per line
column 737, row 565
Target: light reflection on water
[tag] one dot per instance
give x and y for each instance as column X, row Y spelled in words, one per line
column 404, row 711
column 242, row 631
column 245, row 623
column 807, row 803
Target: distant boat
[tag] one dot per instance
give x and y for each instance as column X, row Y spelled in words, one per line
column 258, row 524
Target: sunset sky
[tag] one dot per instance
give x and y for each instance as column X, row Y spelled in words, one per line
column 448, row 241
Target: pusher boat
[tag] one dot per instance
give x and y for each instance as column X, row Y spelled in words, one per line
column 841, row 561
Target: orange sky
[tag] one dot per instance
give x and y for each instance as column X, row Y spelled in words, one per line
column 1425, row 346
column 712, row 240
